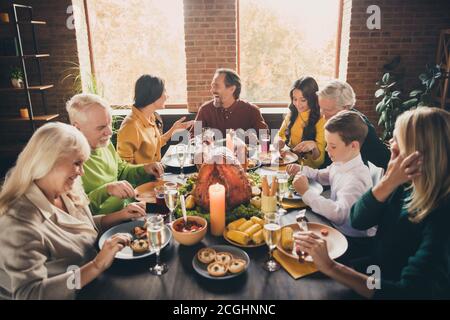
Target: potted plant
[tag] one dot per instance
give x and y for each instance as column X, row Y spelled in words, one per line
column 392, row 103
column 16, row 77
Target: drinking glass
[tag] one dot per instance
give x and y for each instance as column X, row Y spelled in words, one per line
column 272, row 234
column 181, row 155
column 171, row 197
column 283, row 190
column 155, row 233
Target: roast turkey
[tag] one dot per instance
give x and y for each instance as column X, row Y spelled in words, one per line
column 221, row 166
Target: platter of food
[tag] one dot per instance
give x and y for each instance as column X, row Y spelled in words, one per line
column 139, row 246
column 336, row 242
column 245, row 233
column 220, row 262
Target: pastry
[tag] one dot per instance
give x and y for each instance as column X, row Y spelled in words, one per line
column 324, row 232
column 237, row 265
column 238, row 236
column 206, row 255
column 217, row 269
column 224, row 257
column 139, row 246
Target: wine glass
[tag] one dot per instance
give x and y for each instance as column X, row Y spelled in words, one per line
column 171, row 197
column 181, row 155
column 283, row 190
column 272, row 234
column 155, row 233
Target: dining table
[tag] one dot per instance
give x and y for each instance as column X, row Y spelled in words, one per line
column 131, row 279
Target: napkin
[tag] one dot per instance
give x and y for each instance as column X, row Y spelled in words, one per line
column 293, row 267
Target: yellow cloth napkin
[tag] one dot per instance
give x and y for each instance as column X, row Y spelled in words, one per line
column 293, row 267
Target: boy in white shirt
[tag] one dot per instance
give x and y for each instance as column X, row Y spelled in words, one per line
column 348, row 176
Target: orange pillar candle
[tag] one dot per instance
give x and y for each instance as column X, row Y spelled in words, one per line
column 217, row 208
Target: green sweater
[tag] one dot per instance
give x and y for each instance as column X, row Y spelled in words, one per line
column 105, row 166
column 413, row 257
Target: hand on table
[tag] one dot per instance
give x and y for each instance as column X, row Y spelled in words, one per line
column 293, row 169
column 133, row 210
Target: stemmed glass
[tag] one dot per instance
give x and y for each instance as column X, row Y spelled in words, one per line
column 283, row 190
column 181, row 155
column 171, row 197
column 272, row 234
column 155, row 233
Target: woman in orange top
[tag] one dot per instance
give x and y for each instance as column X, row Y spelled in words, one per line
column 140, row 137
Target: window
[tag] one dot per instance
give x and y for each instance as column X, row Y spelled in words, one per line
column 282, row 40
column 131, row 38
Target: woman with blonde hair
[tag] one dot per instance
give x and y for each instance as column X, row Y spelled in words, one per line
column 411, row 206
column 45, row 222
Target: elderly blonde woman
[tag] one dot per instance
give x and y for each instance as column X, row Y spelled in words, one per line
column 411, row 206
column 45, row 222
column 109, row 181
column 339, row 95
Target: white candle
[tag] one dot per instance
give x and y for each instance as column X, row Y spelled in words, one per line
column 217, row 209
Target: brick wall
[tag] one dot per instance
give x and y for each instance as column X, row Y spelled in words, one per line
column 409, row 28
column 210, row 28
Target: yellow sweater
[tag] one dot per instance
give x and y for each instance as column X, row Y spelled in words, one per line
column 139, row 140
column 297, row 134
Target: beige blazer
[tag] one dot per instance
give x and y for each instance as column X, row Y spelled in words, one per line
column 38, row 242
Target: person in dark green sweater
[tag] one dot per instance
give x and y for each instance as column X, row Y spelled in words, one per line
column 337, row 96
column 411, row 206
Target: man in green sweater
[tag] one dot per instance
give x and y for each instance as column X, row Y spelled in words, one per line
column 108, row 181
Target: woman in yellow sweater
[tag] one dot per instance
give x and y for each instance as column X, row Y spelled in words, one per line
column 303, row 127
column 140, row 136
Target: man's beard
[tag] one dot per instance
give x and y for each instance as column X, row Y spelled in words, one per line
column 217, row 102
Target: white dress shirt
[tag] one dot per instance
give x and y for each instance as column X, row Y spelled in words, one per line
column 348, row 181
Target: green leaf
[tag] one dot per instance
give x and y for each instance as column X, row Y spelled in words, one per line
column 381, row 106
column 379, row 93
column 392, row 84
column 423, row 77
column 385, row 78
column 396, row 93
column 415, row 93
column 408, row 104
column 382, row 118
